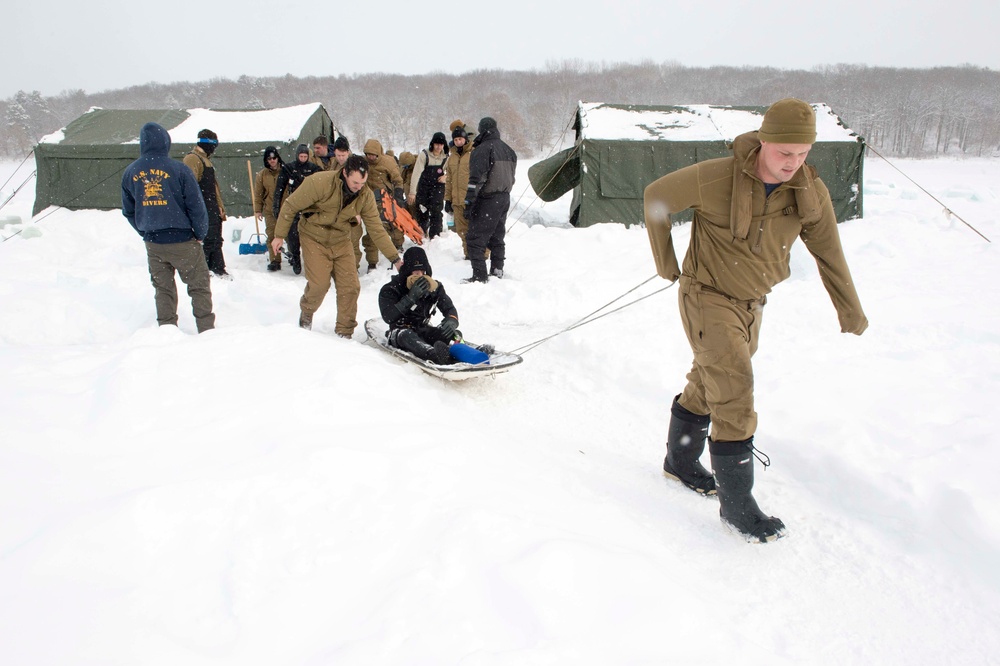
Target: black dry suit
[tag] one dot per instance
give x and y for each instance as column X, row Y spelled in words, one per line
column 409, row 321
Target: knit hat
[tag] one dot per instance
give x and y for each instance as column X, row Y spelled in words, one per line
column 439, row 138
column 303, row 148
column 415, row 259
column 789, row 121
column 487, row 124
column 341, row 143
column 459, row 132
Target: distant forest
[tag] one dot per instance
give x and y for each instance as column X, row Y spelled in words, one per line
column 900, row 112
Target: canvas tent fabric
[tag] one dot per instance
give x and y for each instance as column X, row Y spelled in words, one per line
column 620, row 149
column 80, row 166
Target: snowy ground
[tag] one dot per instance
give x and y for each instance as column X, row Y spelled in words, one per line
column 265, row 495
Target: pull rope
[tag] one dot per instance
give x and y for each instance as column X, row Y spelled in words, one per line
column 590, row 318
column 947, row 210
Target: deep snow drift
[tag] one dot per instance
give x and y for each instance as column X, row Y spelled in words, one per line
column 263, row 495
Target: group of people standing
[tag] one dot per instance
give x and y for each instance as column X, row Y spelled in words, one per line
column 321, row 211
column 749, row 209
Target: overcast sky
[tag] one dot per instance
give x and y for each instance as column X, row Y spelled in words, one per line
column 55, row 46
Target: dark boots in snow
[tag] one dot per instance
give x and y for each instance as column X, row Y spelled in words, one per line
column 409, row 340
column 685, row 444
column 733, row 465
column 441, row 355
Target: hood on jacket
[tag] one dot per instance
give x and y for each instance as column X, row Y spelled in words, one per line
column 414, row 259
column 373, row 147
column 271, row 150
column 407, row 159
column 745, row 147
column 493, row 133
column 153, row 140
column 744, row 144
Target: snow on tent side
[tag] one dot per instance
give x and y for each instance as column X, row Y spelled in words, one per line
column 620, row 149
column 80, row 166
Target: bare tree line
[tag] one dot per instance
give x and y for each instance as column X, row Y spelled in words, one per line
column 901, row 112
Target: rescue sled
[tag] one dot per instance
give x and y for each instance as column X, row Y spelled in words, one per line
column 498, row 363
column 396, row 215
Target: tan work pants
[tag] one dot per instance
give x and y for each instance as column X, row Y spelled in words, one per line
column 323, row 264
column 723, row 334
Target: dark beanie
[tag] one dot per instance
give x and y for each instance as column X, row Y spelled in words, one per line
column 459, row 132
column 414, row 259
column 439, row 138
column 789, row 121
column 487, row 124
column 341, row 144
column 303, row 148
column 207, row 136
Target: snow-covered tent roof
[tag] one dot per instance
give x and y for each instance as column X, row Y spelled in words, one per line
column 621, row 148
column 694, row 122
column 77, row 165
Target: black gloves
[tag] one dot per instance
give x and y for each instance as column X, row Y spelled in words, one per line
column 400, row 197
column 420, row 287
column 448, row 326
column 447, row 208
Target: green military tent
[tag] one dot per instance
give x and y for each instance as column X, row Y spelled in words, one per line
column 620, row 149
column 80, row 166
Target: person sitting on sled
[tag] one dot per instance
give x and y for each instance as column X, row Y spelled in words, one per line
column 407, row 303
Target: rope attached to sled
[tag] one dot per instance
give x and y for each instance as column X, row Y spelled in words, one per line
column 947, row 211
column 590, row 318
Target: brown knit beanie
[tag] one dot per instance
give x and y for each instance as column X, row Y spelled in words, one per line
column 788, row 121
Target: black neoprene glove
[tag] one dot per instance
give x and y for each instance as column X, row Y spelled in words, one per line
column 448, row 326
column 447, row 208
column 420, row 287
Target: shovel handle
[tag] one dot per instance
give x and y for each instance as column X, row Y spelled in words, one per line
column 253, row 196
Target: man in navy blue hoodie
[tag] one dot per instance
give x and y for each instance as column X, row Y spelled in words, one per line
column 162, row 201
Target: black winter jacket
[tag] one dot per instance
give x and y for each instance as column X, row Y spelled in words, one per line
column 420, row 312
column 491, row 167
column 291, row 176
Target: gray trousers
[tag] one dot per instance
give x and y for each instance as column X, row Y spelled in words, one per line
column 188, row 260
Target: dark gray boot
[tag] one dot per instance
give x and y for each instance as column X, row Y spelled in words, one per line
column 409, row 340
column 733, row 465
column 685, row 444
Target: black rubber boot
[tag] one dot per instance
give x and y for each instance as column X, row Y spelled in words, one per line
column 685, row 444
column 441, row 355
column 733, row 465
column 409, row 340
